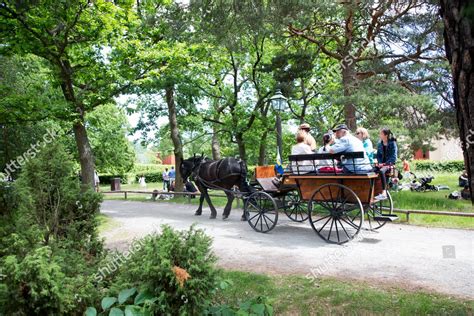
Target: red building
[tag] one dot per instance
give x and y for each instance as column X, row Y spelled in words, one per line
column 167, row 160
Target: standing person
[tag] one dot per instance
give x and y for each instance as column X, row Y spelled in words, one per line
column 166, row 180
column 309, row 139
column 301, row 148
column 96, row 181
column 363, row 135
column 387, row 151
column 142, row 181
column 172, row 176
column 406, row 169
column 346, row 142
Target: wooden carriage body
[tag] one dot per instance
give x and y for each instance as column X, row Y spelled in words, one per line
column 336, row 204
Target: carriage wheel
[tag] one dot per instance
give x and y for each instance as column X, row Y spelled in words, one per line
column 336, row 213
column 261, row 211
column 294, row 207
column 376, row 209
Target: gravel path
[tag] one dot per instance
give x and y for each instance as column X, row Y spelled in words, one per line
column 435, row 259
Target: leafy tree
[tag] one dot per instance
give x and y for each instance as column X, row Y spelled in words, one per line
column 108, row 127
column 362, row 35
column 77, row 40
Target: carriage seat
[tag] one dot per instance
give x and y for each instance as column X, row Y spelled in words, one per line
column 314, row 158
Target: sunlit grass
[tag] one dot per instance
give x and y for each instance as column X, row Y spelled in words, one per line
column 296, row 295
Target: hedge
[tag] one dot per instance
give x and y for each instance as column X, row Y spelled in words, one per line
column 443, row 166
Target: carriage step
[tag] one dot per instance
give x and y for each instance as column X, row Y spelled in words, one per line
column 386, row 218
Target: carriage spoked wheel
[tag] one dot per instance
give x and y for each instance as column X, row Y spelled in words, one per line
column 261, row 211
column 377, row 209
column 336, row 213
column 295, row 208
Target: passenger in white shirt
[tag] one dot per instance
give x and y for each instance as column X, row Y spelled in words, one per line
column 301, row 148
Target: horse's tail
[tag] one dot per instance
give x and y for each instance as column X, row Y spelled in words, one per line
column 245, row 187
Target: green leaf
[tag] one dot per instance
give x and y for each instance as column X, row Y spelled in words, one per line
column 269, row 309
column 258, row 309
column 142, row 297
column 133, row 310
column 124, row 295
column 91, row 311
column 116, row 312
column 245, row 306
column 107, row 302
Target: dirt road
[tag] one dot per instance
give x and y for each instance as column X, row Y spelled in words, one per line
column 434, row 259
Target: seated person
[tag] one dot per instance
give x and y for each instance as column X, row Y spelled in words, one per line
column 387, row 150
column 346, row 142
column 328, row 140
column 189, row 187
column 301, row 148
column 363, row 135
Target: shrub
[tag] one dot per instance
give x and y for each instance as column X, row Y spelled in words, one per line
column 48, row 238
column 175, row 267
column 439, row 166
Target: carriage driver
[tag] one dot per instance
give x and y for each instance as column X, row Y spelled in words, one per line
column 346, row 142
column 309, row 139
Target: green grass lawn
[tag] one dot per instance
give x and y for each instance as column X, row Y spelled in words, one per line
column 407, row 200
column 295, row 295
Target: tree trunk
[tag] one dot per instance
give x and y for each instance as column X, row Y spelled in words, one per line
column 215, row 145
column 86, row 158
column 459, row 41
column 348, row 80
column 262, row 152
column 175, row 137
column 239, row 137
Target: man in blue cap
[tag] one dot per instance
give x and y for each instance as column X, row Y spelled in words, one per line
column 346, row 142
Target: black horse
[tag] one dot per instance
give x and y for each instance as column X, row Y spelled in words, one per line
column 221, row 174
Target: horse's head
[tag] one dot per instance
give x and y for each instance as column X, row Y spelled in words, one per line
column 190, row 165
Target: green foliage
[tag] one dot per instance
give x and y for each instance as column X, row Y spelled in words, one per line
column 175, row 267
column 255, row 307
column 49, row 248
column 107, row 131
column 128, row 302
column 455, row 166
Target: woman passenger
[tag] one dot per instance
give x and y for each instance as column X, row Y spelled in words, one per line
column 387, row 151
column 301, row 148
column 363, row 135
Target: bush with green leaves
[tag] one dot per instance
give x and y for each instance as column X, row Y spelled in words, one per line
column 128, row 302
column 438, row 166
column 176, row 267
column 49, row 242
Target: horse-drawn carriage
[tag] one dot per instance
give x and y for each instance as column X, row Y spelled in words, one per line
column 337, row 205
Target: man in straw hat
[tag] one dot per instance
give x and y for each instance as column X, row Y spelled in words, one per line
column 309, row 139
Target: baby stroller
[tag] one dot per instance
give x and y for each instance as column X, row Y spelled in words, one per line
column 423, row 184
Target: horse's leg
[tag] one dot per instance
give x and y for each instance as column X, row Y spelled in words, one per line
column 211, row 206
column 201, row 199
column 228, row 206
column 244, row 187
